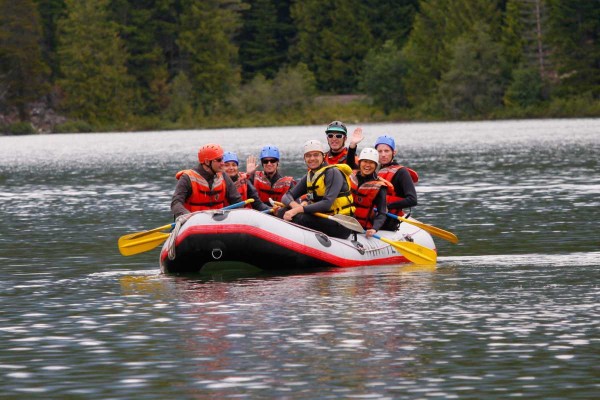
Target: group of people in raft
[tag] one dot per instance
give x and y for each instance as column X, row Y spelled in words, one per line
column 337, row 182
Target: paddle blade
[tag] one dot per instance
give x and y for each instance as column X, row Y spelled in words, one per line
column 347, row 222
column 414, row 252
column 434, row 230
column 129, row 246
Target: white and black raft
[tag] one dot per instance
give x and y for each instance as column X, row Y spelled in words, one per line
column 272, row 244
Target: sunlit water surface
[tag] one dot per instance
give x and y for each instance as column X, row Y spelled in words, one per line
column 511, row 311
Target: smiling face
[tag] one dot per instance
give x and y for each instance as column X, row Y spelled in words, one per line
column 269, row 165
column 336, row 141
column 367, row 167
column 231, row 168
column 386, row 154
column 313, row 159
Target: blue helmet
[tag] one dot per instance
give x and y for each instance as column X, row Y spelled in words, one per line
column 269, row 151
column 230, row 156
column 385, row 139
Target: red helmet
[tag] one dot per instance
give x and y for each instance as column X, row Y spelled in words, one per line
column 209, row 152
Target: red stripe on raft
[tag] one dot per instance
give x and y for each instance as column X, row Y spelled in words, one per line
column 286, row 243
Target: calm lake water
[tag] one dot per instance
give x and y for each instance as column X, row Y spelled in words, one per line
column 510, row 311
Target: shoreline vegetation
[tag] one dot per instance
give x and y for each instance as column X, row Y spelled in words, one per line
column 352, row 109
column 126, row 65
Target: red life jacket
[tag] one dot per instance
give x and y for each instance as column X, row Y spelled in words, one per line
column 241, row 184
column 364, row 199
column 204, row 197
column 388, row 173
column 339, row 158
column 276, row 191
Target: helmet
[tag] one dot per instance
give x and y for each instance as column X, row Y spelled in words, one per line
column 370, row 154
column 230, row 156
column 269, row 151
column 385, row 139
column 313, row 145
column 337, row 126
column 209, row 152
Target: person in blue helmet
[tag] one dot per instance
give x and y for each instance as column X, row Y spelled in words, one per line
column 403, row 179
column 241, row 182
column 269, row 183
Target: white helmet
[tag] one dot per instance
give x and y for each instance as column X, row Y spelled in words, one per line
column 370, row 154
column 313, row 145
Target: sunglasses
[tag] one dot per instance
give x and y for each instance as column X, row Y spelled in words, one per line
column 270, row 161
column 337, row 135
column 218, row 159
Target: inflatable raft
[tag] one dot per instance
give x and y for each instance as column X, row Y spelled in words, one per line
column 273, row 244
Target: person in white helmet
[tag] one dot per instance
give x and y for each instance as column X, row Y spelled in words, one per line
column 369, row 192
column 324, row 189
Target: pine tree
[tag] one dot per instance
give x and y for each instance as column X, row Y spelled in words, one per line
column 208, row 55
column 333, row 39
column 23, row 73
column 93, row 59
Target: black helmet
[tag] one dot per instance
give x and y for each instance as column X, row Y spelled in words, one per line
column 337, row 126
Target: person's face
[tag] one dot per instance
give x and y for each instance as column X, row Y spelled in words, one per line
column 269, row 165
column 386, row 154
column 336, row 141
column 217, row 165
column 367, row 167
column 313, row 159
column 231, row 168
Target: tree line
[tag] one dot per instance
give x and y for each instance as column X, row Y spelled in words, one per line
column 159, row 63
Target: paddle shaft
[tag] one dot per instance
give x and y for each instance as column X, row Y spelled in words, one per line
column 449, row 236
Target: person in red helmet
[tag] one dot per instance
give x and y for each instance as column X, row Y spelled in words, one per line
column 204, row 187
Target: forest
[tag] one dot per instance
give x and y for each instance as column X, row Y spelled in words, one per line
column 87, row 66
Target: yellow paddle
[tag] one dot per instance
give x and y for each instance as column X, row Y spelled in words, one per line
column 139, row 242
column 449, row 236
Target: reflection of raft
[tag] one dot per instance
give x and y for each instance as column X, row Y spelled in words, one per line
column 272, row 244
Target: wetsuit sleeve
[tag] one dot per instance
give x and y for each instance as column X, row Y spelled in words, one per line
column 404, row 187
column 381, row 206
column 294, row 193
column 351, row 158
column 233, row 196
column 334, row 183
column 183, row 190
column 253, row 194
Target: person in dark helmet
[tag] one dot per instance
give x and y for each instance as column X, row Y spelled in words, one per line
column 204, row 187
column 338, row 153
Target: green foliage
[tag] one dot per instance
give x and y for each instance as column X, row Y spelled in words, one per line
column 525, row 89
column 180, row 108
column 292, row 88
column 50, row 11
column 333, row 38
column 265, row 37
column 208, row 55
column 473, row 84
column 383, row 77
column 391, row 20
column 95, row 82
column 23, row 73
column 18, row 128
column 74, row 126
column 574, row 32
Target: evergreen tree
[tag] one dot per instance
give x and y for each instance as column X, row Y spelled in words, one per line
column 50, row 12
column 391, row 20
column 265, row 37
column 333, row 38
column 207, row 53
column 149, row 31
column 23, row 73
column 474, row 82
column 383, row 77
column 94, row 79
column 574, row 33
column 430, row 45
